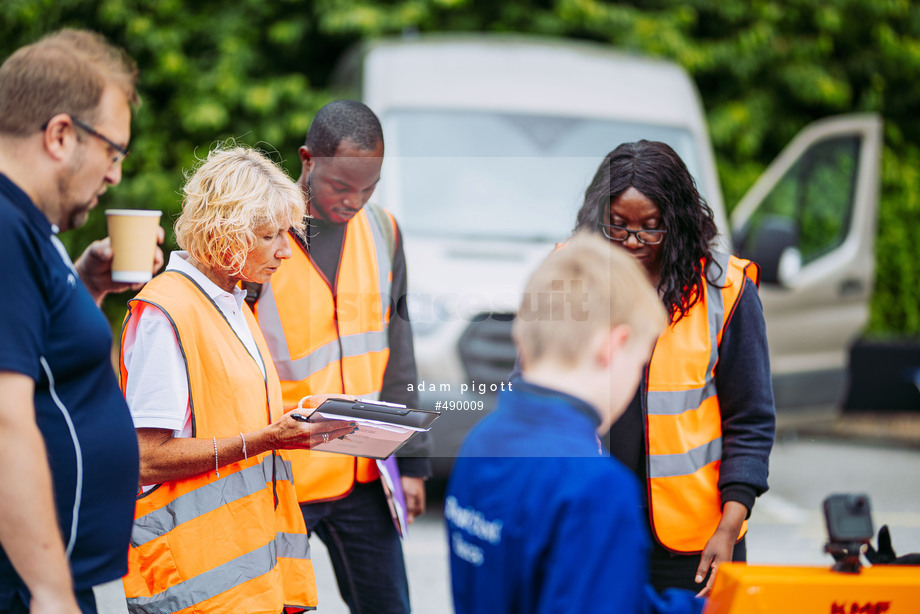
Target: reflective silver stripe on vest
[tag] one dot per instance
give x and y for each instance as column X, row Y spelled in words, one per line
column 270, row 323
column 384, row 265
column 716, row 307
column 323, row 356
column 209, row 497
column 223, row 578
column 675, row 402
column 293, row 545
column 671, row 465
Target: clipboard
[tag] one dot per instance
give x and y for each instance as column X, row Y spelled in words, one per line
column 383, row 428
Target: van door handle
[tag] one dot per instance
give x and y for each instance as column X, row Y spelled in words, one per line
column 850, row 287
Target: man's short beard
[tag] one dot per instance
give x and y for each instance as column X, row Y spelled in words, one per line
column 78, row 216
column 73, row 214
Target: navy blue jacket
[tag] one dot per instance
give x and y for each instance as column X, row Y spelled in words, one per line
column 540, row 519
column 52, row 331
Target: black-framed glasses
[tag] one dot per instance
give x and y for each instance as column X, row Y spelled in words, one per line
column 120, row 152
column 621, row 234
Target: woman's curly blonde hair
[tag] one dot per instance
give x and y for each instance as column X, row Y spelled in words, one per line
column 234, row 192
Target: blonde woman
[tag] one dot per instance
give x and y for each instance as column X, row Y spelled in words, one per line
column 217, row 525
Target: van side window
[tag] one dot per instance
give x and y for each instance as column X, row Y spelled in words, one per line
column 814, row 199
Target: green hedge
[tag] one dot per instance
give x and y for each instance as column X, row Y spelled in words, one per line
column 256, row 71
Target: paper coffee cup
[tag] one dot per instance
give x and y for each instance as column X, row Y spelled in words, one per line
column 133, row 233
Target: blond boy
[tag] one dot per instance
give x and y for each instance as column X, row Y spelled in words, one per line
column 539, row 518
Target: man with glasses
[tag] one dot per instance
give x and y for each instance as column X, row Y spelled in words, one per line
column 68, row 452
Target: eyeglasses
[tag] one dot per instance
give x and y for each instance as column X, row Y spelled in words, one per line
column 621, row 234
column 120, row 152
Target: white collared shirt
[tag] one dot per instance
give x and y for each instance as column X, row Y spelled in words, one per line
column 157, row 384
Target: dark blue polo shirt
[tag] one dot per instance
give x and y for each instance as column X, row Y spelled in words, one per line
column 52, row 331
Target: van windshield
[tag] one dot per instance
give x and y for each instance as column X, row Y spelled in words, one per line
column 501, row 175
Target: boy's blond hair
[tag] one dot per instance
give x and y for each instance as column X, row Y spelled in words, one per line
column 585, row 286
column 64, row 72
column 232, row 194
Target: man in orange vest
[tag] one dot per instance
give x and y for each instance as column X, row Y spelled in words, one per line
column 330, row 321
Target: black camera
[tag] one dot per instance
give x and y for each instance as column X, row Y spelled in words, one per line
column 849, row 527
column 848, row 518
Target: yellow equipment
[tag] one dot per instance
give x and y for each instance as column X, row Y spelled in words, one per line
column 760, row 589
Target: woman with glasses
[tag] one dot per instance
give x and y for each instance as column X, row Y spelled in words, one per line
column 699, row 430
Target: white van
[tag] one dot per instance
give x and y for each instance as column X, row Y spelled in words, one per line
column 490, row 143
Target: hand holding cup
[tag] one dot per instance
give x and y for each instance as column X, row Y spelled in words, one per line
column 133, row 233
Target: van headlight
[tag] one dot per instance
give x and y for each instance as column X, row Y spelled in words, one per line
column 426, row 313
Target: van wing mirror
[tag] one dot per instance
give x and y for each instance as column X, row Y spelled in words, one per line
column 773, row 244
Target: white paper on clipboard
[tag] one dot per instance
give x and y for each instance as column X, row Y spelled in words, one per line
column 375, row 439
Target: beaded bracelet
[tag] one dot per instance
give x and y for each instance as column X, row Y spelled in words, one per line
column 216, row 466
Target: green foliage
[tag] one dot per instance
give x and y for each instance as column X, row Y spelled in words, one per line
column 210, row 72
column 256, row 71
column 767, row 70
column 896, row 303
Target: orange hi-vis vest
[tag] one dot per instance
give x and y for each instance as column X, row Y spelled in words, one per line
column 234, row 543
column 683, row 418
column 325, row 341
